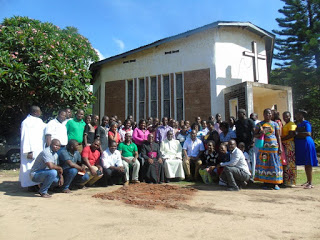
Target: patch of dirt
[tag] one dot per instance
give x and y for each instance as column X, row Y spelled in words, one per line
column 150, row 195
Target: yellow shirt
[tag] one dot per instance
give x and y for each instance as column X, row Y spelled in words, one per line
column 290, row 126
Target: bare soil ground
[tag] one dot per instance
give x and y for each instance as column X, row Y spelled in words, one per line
column 209, row 212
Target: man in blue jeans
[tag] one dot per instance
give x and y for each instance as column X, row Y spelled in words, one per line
column 73, row 171
column 45, row 169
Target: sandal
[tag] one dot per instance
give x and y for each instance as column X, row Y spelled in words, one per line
column 305, row 184
column 276, row 187
column 309, row 186
column 45, row 195
column 66, row 190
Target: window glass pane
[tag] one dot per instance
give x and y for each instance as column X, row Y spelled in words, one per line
column 154, row 88
column 141, row 89
column 130, row 109
column 179, row 109
column 130, row 91
column 141, row 110
column 154, row 109
column 166, row 108
column 179, row 87
column 166, row 87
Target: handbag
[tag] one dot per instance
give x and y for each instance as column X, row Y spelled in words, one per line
column 259, row 142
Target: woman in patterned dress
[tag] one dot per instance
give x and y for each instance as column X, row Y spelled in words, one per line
column 287, row 138
column 268, row 167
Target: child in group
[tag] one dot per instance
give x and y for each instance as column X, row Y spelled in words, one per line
column 207, row 170
column 248, row 157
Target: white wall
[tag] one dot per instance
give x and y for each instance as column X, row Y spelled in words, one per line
column 220, row 49
column 231, row 66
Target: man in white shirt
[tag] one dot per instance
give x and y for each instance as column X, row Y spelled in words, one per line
column 172, row 155
column 192, row 148
column 32, row 143
column 236, row 170
column 57, row 130
column 112, row 164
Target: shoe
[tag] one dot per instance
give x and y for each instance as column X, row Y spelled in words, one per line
column 232, row 189
column 66, row 190
column 276, row 187
column 309, row 186
column 45, row 195
column 126, row 183
column 305, row 184
column 167, row 181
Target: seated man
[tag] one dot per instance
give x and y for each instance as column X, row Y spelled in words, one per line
column 129, row 155
column 91, row 158
column 172, row 155
column 45, row 169
column 235, row 170
column 193, row 149
column 112, row 164
column 73, row 171
column 152, row 156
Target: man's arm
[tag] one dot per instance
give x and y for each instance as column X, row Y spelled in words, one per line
column 48, row 140
column 87, row 163
column 234, row 159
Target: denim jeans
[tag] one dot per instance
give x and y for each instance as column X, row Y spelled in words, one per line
column 47, row 177
column 70, row 175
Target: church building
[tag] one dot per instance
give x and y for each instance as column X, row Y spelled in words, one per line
column 217, row 68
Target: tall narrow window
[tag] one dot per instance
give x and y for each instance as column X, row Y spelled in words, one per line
column 141, row 98
column 130, row 97
column 166, row 96
column 153, row 97
column 179, row 97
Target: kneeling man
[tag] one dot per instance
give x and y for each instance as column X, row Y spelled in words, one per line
column 129, row 155
column 112, row 164
column 73, row 171
column 45, row 169
column 172, row 155
column 235, row 170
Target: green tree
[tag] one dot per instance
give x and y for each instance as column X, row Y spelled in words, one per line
column 298, row 53
column 44, row 65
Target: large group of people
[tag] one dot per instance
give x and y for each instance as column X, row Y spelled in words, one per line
column 72, row 153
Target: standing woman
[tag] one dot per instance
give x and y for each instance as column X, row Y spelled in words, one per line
column 287, row 138
column 276, row 118
column 217, row 124
column 113, row 134
column 305, row 148
column 140, row 134
column 268, row 166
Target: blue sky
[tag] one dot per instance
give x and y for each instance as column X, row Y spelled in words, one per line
column 116, row 26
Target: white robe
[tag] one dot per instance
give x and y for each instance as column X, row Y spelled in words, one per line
column 172, row 153
column 32, row 140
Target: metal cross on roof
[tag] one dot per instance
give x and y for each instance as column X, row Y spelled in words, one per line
column 254, row 54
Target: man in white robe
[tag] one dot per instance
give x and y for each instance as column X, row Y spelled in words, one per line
column 172, row 154
column 32, row 143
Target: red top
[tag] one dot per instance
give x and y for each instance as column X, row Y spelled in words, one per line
column 117, row 138
column 93, row 157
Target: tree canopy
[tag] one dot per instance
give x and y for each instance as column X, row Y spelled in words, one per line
column 41, row 64
column 298, row 53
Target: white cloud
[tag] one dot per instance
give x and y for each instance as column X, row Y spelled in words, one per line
column 120, row 43
column 100, row 55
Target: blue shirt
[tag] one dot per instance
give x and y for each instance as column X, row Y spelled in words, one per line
column 64, row 156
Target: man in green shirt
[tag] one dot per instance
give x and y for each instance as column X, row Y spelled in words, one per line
column 75, row 128
column 129, row 155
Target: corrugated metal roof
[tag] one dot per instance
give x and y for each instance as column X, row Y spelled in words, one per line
column 247, row 25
